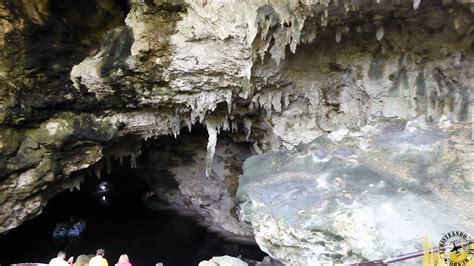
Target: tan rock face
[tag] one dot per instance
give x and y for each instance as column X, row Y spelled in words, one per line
column 278, row 75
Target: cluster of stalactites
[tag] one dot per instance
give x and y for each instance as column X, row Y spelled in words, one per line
column 132, row 151
column 290, row 23
column 214, row 122
column 75, row 183
column 270, row 101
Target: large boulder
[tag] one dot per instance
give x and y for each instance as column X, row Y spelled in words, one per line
column 354, row 196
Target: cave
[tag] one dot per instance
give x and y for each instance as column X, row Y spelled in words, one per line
column 313, row 132
column 123, row 214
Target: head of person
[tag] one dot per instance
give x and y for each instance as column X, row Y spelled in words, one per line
column 100, row 252
column 123, row 259
column 62, row 255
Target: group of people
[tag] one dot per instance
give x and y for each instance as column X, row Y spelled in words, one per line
column 98, row 260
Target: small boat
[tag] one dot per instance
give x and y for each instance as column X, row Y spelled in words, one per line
column 76, row 229
column 60, row 232
column 64, row 230
column 74, row 232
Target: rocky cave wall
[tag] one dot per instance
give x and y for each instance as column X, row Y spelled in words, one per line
column 79, row 77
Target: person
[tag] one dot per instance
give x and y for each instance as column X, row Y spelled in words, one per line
column 99, row 260
column 60, row 260
column 123, row 261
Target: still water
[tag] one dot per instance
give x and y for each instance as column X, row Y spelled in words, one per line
column 119, row 224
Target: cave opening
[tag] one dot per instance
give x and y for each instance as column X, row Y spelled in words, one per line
column 127, row 216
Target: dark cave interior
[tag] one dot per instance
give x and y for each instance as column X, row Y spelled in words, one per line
column 120, row 222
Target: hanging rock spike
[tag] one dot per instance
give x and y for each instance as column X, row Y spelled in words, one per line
column 212, row 128
column 248, row 128
column 380, row 32
column 416, row 4
column 338, row 35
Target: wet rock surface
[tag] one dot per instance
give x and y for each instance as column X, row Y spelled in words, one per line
column 366, row 195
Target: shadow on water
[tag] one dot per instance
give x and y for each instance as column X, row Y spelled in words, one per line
column 121, row 224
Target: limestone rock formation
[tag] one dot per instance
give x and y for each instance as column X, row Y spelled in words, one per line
column 364, row 196
column 80, row 79
column 179, row 179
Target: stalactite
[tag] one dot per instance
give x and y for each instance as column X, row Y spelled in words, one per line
column 297, row 27
column 280, row 41
column 265, row 100
column 380, row 32
column 189, row 124
column 228, row 99
column 247, row 89
column 248, row 128
column 264, row 29
column 234, row 126
column 133, row 161
column 346, row 6
column 108, row 164
column 310, row 37
column 78, row 185
column 276, row 101
column 97, row 170
column 416, row 4
column 201, row 117
column 175, row 124
column 211, row 145
column 286, row 99
column 338, row 35
column 324, row 21
column 226, row 124
column 193, row 117
column 251, row 106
